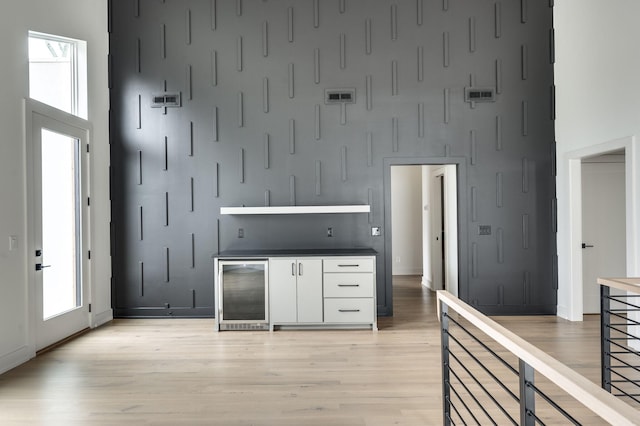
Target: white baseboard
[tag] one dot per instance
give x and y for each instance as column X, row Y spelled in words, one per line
column 427, row 283
column 15, row 358
column 102, row 318
column 562, row 312
column 407, row 271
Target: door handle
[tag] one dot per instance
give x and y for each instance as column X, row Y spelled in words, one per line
column 584, row 246
column 293, row 269
column 300, row 268
column 40, row 266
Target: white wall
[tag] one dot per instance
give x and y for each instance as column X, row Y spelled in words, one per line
column 598, row 109
column 80, row 19
column 406, row 219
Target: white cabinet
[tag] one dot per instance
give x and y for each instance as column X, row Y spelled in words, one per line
column 295, row 295
column 349, row 291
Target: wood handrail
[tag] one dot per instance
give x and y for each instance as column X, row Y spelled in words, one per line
column 626, row 284
column 601, row 402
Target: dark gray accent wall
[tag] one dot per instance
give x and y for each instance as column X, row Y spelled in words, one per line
column 253, row 129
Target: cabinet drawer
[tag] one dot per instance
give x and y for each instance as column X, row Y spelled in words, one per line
column 348, row 285
column 348, row 311
column 348, row 264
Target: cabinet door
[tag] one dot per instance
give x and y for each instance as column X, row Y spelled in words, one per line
column 282, row 290
column 309, row 290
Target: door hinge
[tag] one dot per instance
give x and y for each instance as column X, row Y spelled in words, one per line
column 88, row 201
column 89, row 254
column 89, row 307
column 87, row 148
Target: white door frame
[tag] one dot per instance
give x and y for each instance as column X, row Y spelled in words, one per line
column 34, row 108
column 573, row 162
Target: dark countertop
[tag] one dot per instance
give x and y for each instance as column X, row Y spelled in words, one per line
column 295, row 252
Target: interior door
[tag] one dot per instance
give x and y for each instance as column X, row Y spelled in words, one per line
column 603, row 228
column 59, row 206
column 437, row 234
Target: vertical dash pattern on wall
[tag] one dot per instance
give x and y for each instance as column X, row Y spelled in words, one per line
column 241, row 164
column 368, row 92
column 265, row 39
column 239, row 53
column 240, row 109
column 419, row 12
column 166, row 209
column 474, row 204
column 552, row 46
column 525, row 118
column 265, row 95
column 188, row 26
column 316, row 65
column 524, row 11
column 525, row 231
column 552, row 155
column 193, row 250
column 214, row 19
column 343, row 113
column 369, row 149
column 216, row 180
column 267, row 198
column 191, row 139
column 217, row 235
column 214, row 124
column 139, row 167
column 394, row 78
column 141, row 277
column 139, row 121
column 343, row 51
column 445, row 5
column 447, row 113
column 474, row 260
column 343, row 162
column 497, row 10
column 499, row 189
column 498, row 133
column 137, row 56
column 292, row 190
column 421, row 120
column 524, row 54
column 498, row 75
column 188, row 83
column 192, row 202
column 136, row 8
column 316, row 13
column 445, row 49
column 193, row 297
column 291, row 81
column 290, row 24
column 500, row 244
column 526, row 289
column 167, row 275
column 265, row 140
column 420, row 63
column 166, row 154
column 472, row 34
column 163, row 41
column 394, row 22
column 341, row 6
column 317, row 122
column 554, row 214
column 394, row 134
column 238, row 7
column 214, row 68
column 473, row 157
column 367, row 36
column 292, row 136
column 318, row 177
column 552, row 100
column 525, row 175
column 140, row 223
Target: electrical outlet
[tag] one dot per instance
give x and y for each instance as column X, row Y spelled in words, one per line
column 240, row 233
column 329, row 232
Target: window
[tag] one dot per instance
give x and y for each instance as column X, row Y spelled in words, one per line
column 58, row 72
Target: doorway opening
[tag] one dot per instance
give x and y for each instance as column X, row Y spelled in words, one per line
column 422, row 234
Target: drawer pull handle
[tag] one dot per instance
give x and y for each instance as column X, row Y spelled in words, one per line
column 348, row 310
column 349, row 266
column 348, row 285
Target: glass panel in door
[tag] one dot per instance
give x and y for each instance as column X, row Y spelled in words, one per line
column 61, row 224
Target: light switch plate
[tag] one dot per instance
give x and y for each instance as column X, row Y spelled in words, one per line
column 375, row 231
column 13, row 242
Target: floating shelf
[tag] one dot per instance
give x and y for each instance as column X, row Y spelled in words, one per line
column 360, row 208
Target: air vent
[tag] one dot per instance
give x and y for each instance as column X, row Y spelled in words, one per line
column 484, row 229
column 243, row 326
column 479, row 94
column 164, row 100
column 340, row 96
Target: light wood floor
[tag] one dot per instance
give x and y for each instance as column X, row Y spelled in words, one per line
column 182, row 372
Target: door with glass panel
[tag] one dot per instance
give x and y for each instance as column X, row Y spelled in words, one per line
column 59, row 202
